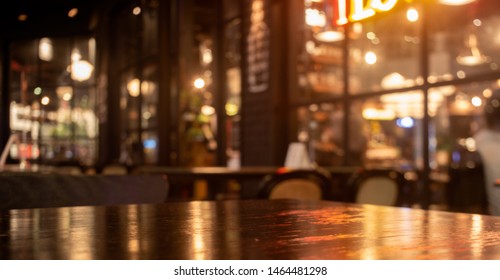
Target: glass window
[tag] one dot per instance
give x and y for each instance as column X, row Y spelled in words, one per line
column 149, row 93
column 82, row 61
column 53, row 99
column 197, row 95
column 465, row 41
column 232, row 64
column 358, row 135
column 127, row 38
column 320, row 63
column 129, row 102
column 150, row 146
column 320, row 126
column 150, row 27
column 454, row 123
column 137, row 49
column 394, row 129
column 23, row 70
column 384, row 51
column 231, row 9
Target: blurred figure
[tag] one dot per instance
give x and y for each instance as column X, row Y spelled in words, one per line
column 488, row 146
column 358, row 136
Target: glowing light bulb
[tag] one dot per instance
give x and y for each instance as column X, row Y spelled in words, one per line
column 199, row 83
column 412, row 15
column 370, row 58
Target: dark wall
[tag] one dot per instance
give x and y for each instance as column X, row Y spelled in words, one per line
column 264, row 88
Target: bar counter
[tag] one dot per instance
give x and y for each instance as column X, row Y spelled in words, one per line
column 246, row 229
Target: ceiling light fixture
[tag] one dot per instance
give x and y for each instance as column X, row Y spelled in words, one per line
column 81, row 70
column 45, row 49
column 133, row 87
column 322, row 23
column 329, row 36
column 472, row 56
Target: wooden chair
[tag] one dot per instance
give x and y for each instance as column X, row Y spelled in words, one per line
column 379, row 187
column 23, row 190
column 303, row 184
column 115, row 169
column 68, row 170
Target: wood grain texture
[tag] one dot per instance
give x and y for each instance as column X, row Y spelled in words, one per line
column 246, row 229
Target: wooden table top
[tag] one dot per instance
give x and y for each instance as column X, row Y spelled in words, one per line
column 246, row 229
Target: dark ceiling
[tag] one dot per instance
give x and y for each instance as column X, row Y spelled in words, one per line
column 46, row 17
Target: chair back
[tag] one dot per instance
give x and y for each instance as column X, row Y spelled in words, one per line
column 68, row 170
column 303, row 184
column 114, row 169
column 379, row 187
column 35, row 190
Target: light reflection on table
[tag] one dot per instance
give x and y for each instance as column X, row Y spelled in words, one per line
column 253, row 229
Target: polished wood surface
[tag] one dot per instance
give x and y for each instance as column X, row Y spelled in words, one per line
column 246, row 229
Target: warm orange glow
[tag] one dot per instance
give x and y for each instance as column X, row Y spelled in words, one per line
column 342, row 8
column 45, row 100
column 412, row 15
column 199, row 83
column 383, row 5
column 22, row 17
column 81, row 70
column 136, row 11
column 45, row 49
column 315, row 18
column 472, row 56
column 133, row 87
column 360, row 9
column 73, row 12
column 370, row 58
column 330, row 36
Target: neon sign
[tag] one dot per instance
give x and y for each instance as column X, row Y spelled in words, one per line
column 355, row 10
